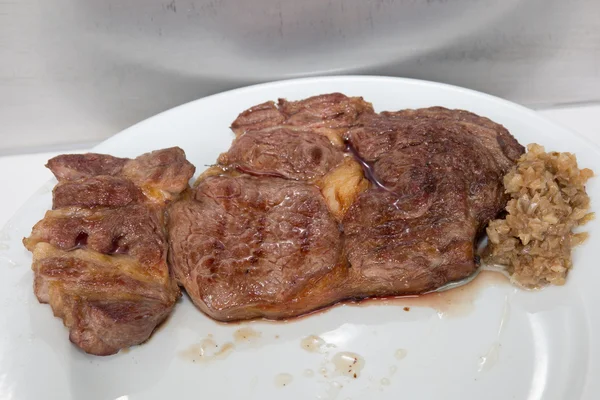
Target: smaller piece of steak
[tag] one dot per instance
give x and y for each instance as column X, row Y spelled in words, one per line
column 284, row 153
column 70, row 167
column 333, row 111
column 160, row 175
column 99, row 257
column 300, row 140
column 245, row 246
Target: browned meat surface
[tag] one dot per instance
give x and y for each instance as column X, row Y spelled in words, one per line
column 299, row 140
column 160, row 175
column 246, row 247
column 135, row 230
column 68, row 167
column 265, row 115
column 441, row 176
column 403, row 147
column 96, row 191
column 99, row 256
column 327, row 112
column 284, row 153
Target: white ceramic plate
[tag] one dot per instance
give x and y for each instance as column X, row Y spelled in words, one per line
column 492, row 342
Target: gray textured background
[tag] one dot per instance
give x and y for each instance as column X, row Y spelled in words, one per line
column 77, row 71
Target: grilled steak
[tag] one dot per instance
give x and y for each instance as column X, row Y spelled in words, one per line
column 284, row 153
column 243, row 245
column 439, row 175
column 269, row 245
column 298, row 140
column 330, row 114
column 99, row 256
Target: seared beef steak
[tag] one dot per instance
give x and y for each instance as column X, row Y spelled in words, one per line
column 441, row 172
column 99, row 257
column 108, row 191
column 258, row 246
column 299, row 140
column 245, row 246
column 284, row 153
column 329, row 114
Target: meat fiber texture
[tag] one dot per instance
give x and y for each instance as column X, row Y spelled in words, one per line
column 100, row 255
column 322, row 199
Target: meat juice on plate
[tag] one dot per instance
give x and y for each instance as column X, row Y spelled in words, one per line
column 207, row 350
column 246, row 334
column 453, row 300
column 313, row 344
column 348, row 364
column 283, row 379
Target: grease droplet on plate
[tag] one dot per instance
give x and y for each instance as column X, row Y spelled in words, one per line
column 284, row 379
column 246, row 334
column 385, row 381
column 309, row 373
column 312, row 344
column 207, row 350
column 400, row 354
column 348, row 364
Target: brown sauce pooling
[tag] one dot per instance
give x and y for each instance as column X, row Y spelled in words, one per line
column 455, row 302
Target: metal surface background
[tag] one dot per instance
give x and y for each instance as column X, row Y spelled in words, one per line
column 77, row 71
